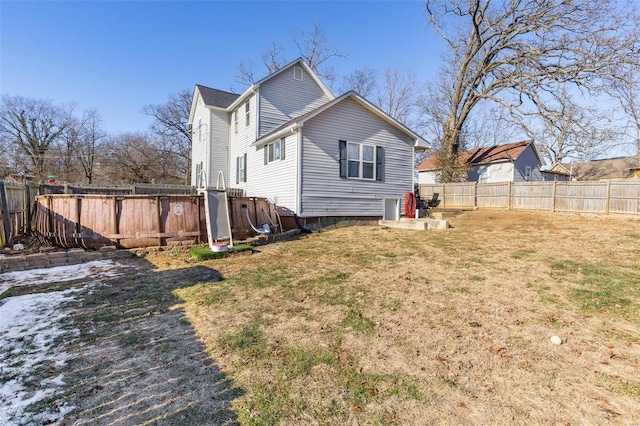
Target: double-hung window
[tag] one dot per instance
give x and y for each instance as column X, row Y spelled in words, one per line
column 241, row 168
column 235, row 121
column 247, row 114
column 361, row 161
column 274, row 151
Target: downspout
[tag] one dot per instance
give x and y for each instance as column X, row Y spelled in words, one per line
column 298, row 129
column 413, row 167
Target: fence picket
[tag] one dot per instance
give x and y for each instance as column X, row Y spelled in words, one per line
column 603, row 197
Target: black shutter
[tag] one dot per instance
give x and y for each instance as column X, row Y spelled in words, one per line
column 237, row 169
column 266, row 152
column 282, row 149
column 379, row 163
column 342, row 147
column 244, row 159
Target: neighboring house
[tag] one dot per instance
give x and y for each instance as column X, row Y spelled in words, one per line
column 607, row 169
column 288, row 138
column 513, row 162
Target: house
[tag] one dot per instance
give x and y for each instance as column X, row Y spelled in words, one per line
column 288, row 138
column 513, row 162
column 606, row 169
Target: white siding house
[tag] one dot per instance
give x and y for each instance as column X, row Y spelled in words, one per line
column 513, row 162
column 288, row 138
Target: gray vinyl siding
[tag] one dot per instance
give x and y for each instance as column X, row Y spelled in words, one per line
column 277, row 179
column 283, row 98
column 219, row 155
column 324, row 193
column 527, row 158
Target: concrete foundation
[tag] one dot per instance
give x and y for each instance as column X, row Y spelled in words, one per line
column 427, row 224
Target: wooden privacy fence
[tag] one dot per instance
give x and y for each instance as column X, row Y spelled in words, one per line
column 17, row 201
column 603, row 197
column 130, row 221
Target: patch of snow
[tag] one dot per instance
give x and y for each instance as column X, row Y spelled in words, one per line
column 94, row 269
column 32, row 337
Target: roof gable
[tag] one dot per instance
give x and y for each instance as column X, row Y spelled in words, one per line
column 299, row 121
column 257, row 84
column 486, row 155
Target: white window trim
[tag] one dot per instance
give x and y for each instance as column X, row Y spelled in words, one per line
column 527, row 173
column 235, row 121
column 298, row 70
column 274, row 154
column 247, row 114
column 361, row 161
column 242, row 169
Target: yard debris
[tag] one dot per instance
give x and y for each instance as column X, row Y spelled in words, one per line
column 556, row 340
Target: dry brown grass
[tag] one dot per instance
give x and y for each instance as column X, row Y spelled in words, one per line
column 368, row 325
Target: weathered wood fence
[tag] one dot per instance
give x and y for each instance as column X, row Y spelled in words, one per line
column 603, row 197
column 17, row 200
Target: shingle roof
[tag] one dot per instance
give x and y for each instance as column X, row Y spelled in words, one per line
column 215, row 97
column 610, row 168
column 477, row 156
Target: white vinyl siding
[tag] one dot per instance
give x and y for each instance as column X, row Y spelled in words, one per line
column 276, row 180
column 240, row 143
column 219, row 148
column 283, row 98
column 324, row 192
column 210, row 144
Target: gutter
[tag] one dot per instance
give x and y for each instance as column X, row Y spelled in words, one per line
column 279, row 134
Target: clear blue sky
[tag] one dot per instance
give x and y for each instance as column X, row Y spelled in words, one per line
column 117, row 56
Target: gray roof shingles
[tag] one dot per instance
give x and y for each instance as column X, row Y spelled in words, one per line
column 215, row 97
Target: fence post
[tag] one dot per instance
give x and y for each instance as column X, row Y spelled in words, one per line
column 608, row 200
column 553, row 196
column 6, row 218
column 509, row 196
column 475, row 195
column 444, row 196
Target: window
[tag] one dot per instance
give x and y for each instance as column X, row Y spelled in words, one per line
column 247, row 115
column 235, row 121
column 297, row 73
column 202, row 131
column 241, row 168
column 361, row 161
column 199, row 180
column 527, row 173
column 274, row 151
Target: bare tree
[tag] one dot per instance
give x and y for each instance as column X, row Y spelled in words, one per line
column 315, row 50
column 517, row 53
column 87, row 150
column 626, row 89
column 133, row 158
column 364, row 81
column 488, row 127
column 313, row 47
column 171, row 123
column 574, row 132
column 398, row 94
column 33, row 126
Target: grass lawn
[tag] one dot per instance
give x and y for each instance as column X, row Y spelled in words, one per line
column 370, row 325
